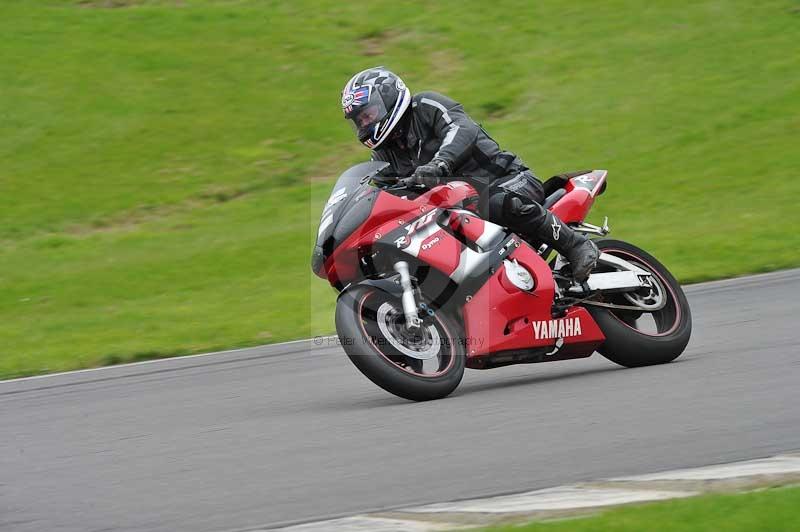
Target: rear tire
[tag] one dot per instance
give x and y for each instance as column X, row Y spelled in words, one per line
column 625, row 343
column 364, row 316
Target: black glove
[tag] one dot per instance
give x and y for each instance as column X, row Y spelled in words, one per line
column 428, row 174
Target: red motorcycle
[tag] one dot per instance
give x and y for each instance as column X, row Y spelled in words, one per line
column 427, row 287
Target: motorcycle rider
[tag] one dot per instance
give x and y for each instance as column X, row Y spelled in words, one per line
column 427, row 138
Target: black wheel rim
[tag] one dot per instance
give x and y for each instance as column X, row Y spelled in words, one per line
column 426, row 352
column 660, row 311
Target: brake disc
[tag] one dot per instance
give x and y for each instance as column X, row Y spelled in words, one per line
column 389, row 324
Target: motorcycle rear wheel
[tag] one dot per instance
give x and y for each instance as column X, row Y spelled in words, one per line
column 418, row 364
column 649, row 337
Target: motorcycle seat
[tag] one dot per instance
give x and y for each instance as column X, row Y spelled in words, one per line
column 554, row 197
column 554, row 187
column 560, row 180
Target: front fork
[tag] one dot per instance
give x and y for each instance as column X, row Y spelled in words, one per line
column 409, row 303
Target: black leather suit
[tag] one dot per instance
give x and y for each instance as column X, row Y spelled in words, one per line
column 438, row 127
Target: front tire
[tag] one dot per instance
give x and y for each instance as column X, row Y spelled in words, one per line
column 659, row 332
column 419, row 365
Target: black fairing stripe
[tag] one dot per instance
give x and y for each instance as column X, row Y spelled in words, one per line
column 485, row 269
column 317, row 260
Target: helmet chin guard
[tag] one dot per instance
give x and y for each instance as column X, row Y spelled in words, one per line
column 374, row 101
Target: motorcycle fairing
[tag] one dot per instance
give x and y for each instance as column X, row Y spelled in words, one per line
column 574, row 206
column 501, row 317
column 348, row 206
column 502, row 323
column 453, row 194
column 417, row 228
column 454, row 243
column 498, row 316
column 560, row 350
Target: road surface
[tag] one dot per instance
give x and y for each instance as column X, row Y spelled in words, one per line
column 291, row 433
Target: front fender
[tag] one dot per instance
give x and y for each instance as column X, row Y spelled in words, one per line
column 390, row 285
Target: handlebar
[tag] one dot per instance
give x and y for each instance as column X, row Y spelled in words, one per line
column 385, row 183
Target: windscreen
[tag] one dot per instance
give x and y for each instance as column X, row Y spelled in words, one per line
column 342, row 214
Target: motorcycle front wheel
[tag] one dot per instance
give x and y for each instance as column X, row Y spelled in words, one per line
column 419, row 364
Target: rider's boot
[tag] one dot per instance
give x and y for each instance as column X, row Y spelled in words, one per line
column 545, row 226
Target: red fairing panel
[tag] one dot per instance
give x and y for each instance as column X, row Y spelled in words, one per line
column 440, row 250
column 500, row 317
column 418, row 234
column 449, row 195
column 425, row 239
column 469, row 225
column 343, row 264
column 391, row 212
column 581, row 191
column 389, row 207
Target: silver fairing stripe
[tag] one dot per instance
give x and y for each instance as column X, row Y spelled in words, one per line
column 469, row 260
column 490, row 233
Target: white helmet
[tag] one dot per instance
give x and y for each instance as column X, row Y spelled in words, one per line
column 374, row 100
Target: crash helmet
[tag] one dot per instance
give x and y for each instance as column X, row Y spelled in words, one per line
column 374, row 102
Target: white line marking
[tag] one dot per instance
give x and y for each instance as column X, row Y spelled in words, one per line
column 552, row 499
column 326, row 342
column 563, row 498
column 362, row 523
column 768, row 466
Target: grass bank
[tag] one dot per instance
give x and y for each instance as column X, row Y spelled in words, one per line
column 771, row 510
column 164, row 162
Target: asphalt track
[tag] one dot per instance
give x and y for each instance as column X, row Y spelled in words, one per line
column 291, row 433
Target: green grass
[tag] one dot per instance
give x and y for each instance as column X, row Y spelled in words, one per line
column 163, row 163
column 769, row 510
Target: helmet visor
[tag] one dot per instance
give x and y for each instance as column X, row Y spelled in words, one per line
column 369, row 115
column 366, row 120
column 365, row 110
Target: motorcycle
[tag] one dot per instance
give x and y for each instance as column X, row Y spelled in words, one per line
column 428, row 288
